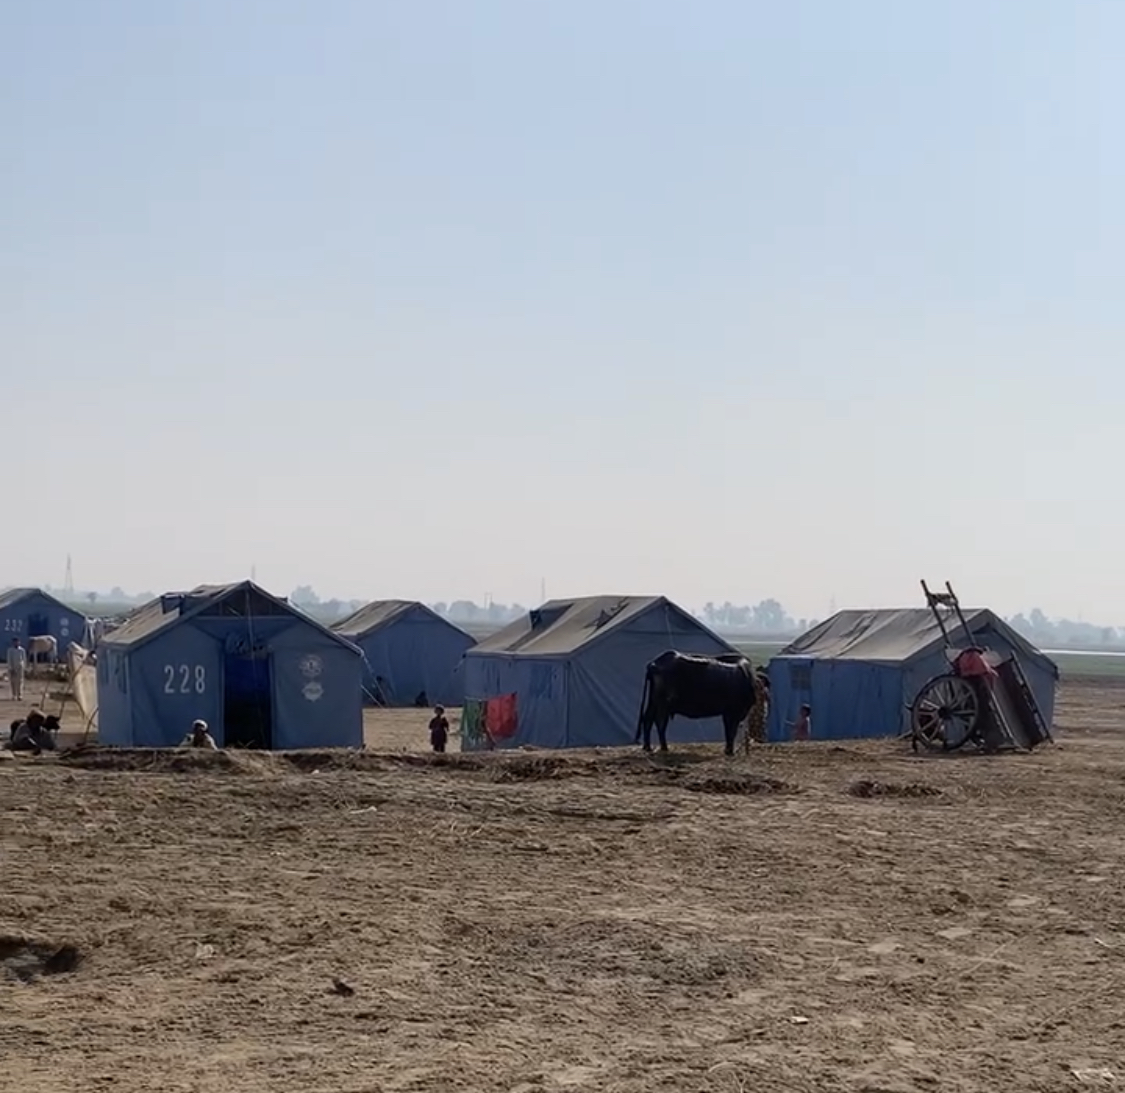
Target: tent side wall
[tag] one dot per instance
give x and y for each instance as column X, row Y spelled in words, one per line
column 540, row 685
column 178, row 676
column 174, row 679
column 850, row 699
column 607, row 680
column 790, row 685
column 42, row 614
column 1044, row 685
column 317, row 701
column 115, row 713
column 417, row 652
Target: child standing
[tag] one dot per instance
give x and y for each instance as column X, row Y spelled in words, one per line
column 439, row 729
column 802, row 727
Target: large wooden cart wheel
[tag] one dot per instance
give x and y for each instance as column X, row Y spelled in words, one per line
column 945, row 713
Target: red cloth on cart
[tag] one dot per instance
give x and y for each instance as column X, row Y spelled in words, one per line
column 971, row 664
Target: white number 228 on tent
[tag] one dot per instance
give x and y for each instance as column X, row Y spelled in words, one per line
column 184, row 679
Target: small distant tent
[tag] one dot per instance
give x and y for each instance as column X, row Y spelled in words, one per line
column 409, row 650
column 571, row 673
column 31, row 612
column 260, row 672
column 860, row 670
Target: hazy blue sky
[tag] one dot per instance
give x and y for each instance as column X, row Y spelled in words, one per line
column 718, row 299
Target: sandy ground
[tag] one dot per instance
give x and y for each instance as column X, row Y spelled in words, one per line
column 813, row 918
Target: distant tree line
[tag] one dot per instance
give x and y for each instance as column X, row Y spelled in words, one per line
column 767, row 618
column 323, row 610
column 1065, row 633
column 461, row 611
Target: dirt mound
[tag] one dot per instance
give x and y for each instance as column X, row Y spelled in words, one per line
column 739, row 784
column 711, row 779
column 228, row 761
column 500, row 768
column 534, row 768
column 162, row 760
column 696, row 772
column 571, row 952
column 323, row 759
column 440, row 760
column 496, row 767
column 867, row 788
column 24, row 959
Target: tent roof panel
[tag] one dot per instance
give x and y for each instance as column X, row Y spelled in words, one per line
column 380, row 613
column 13, row 596
column 895, row 635
column 562, row 627
column 161, row 614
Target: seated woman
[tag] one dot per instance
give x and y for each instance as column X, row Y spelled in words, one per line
column 199, row 737
column 35, row 734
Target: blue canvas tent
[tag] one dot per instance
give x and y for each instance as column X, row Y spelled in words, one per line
column 860, row 670
column 256, row 669
column 577, row 669
column 410, row 650
column 31, row 612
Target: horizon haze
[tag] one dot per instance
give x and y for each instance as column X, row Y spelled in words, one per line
column 437, row 300
column 767, row 618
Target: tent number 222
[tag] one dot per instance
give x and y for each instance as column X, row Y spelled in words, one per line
column 183, row 679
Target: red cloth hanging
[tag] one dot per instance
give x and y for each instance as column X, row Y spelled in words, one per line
column 500, row 717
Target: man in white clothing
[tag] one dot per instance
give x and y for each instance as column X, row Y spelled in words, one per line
column 17, row 663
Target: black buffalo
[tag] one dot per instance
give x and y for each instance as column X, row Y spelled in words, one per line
column 695, row 687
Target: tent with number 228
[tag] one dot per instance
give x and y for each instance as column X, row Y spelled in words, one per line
column 259, row 671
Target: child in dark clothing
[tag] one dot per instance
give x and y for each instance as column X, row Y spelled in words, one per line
column 439, row 729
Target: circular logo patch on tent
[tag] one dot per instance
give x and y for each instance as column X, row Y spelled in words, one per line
column 312, row 691
column 311, row 666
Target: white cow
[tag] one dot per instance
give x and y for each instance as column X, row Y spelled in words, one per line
column 43, row 647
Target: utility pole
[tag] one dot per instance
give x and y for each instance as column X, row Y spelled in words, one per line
column 68, row 583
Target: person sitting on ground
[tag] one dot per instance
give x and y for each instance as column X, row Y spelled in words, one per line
column 52, row 727
column 199, row 737
column 439, row 729
column 33, row 735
